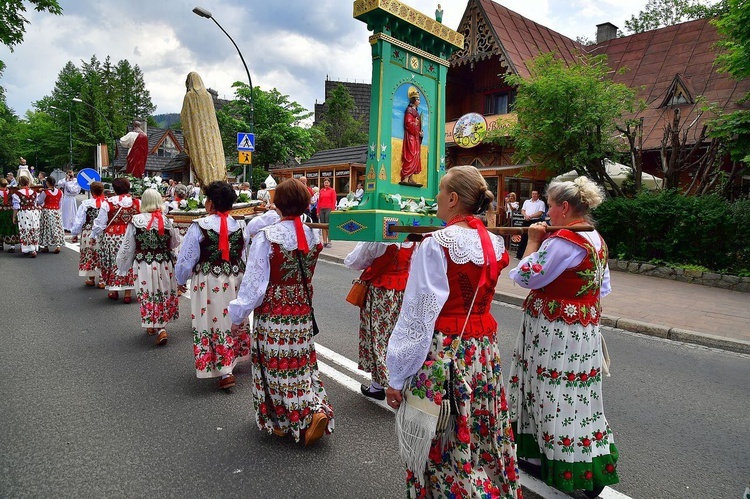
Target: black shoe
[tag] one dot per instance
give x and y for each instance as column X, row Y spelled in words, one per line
column 377, row 394
column 593, row 494
column 532, row 469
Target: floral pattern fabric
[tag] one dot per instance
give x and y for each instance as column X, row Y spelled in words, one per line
column 477, row 459
column 8, row 230
column 109, row 245
column 377, row 318
column 28, row 217
column 555, row 386
column 51, row 228
column 89, row 261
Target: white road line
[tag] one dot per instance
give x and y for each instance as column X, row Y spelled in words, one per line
column 533, row 484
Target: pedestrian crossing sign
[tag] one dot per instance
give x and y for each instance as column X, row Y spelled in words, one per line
column 245, row 158
column 245, row 141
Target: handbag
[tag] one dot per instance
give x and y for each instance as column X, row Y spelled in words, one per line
column 307, row 293
column 358, row 292
column 428, row 408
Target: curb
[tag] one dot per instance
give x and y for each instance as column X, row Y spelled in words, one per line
column 634, row 326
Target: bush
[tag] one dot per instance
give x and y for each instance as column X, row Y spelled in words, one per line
column 707, row 231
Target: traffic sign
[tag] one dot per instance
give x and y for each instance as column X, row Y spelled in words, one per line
column 245, row 141
column 86, row 176
column 245, row 158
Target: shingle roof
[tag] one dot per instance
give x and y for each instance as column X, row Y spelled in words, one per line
column 652, row 60
column 340, row 156
column 360, row 92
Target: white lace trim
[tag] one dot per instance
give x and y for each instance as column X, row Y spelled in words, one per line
column 464, row 246
column 125, row 202
column 283, row 233
column 213, row 222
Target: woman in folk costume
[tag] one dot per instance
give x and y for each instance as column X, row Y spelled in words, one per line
column 26, row 214
column 70, row 187
column 288, row 395
column 51, row 233
column 148, row 242
column 89, row 264
column 211, row 256
column 446, row 313
column 555, row 387
column 8, row 228
column 386, row 269
column 111, row 224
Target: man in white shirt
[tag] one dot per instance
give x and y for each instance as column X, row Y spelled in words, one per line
column 533, row 211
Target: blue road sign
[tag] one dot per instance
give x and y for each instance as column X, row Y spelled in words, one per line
column 86, row 176
column 245, row 141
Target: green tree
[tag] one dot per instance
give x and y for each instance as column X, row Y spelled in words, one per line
column 278, row 122
column 660, row 13
column 567, row 116
column 12, row 22
column 8, row 131
column 338, row 125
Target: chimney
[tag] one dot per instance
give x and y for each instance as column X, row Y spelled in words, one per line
column 605, row 32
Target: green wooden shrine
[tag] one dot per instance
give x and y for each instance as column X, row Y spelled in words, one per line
column 406, row 145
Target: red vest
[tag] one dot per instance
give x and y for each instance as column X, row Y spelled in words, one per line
column 52, row 201
column 462, row 283
column 119, row 217
column 391, row 269
column 574, row 295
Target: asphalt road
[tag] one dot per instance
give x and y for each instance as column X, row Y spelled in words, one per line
column 91, row 408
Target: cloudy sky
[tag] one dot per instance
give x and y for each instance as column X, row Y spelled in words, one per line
column 291, row 45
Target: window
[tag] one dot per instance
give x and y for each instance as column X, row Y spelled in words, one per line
column 167, row 149
column 500, row 102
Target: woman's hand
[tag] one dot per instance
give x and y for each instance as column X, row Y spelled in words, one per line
column 236, row 329
column 537, row 232
column 393, row 397
column 182, row 288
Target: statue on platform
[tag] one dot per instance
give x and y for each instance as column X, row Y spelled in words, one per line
column 23, row 171
column 201, row 132
column 137, row 143
column 411, row 155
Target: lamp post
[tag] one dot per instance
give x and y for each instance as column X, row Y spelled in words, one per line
column 204, row 13
column 70, row 136
column 109, row 126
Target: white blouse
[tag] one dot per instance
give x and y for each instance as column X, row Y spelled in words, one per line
column 553, row 257
column 190, row 250
column 81, row 215
column 426, row 292
column 258, row 270
column 126, row 253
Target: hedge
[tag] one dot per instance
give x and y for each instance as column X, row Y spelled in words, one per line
column 668, row 227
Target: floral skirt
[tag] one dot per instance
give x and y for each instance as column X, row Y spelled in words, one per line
column 376, row 322
column 287, row 389
column 28, row 230
column 555, row 394
column 51, row 229
column 156, row 289
column 216, row 349
column 109, row 245
column 477, row 458
column 89, row 261
column 8, row 230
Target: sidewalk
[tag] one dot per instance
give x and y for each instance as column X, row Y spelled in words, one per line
column 673, row 310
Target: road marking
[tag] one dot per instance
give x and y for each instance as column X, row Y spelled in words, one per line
column 533, row 484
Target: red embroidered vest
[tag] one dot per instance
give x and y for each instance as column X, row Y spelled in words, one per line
column 285, row 294
column 574, row 295
column 27, row 198
column 52, row 201
column 119, row 217
column 395, row 264
column 462, row 283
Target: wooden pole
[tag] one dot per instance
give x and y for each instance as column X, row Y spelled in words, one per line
column 502, row 231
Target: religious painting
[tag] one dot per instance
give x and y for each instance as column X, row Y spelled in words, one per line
column 410, row 136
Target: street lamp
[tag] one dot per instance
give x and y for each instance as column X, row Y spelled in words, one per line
column 76, row 99
column 204, row 13
column 70, row 136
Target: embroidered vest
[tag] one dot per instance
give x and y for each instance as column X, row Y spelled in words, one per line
column 27, row 199
column 151, row 247
column 574, row 295
column 119, row 217
column 210, row 261
column 396, row 271
column 285, row 294
column 462, row 283
column 91, row 213
column 52, row 201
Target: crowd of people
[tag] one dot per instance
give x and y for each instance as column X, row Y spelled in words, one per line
column 428, row 299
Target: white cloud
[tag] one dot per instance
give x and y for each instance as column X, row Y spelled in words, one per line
column 290, row 44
